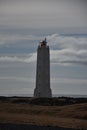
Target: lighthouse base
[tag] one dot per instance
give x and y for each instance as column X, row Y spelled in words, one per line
column 47, row 93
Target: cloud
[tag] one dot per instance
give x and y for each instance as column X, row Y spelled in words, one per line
column 20, row 79
column 68, row 49
column 27, row 59
column 42, row 14
column 8, row 38
column 64, row 49
column 63, row 42
column 69, row 81
column 67, row 56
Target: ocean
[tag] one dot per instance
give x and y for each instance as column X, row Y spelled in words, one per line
column 54, row 95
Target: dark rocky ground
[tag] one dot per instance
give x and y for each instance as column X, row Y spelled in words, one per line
column 8, row 126
column 55, row 101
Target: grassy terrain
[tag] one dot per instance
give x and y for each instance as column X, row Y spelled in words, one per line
column 70, row 116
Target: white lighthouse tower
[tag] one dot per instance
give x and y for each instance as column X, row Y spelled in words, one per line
column 43, row 71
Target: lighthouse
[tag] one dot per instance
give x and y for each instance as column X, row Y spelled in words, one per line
column 42, row 88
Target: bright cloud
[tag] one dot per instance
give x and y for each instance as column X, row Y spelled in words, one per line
column 68, row 49
column 64, row 42
column 27, row 59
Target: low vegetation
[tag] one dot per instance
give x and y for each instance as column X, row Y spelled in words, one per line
column 62, row 111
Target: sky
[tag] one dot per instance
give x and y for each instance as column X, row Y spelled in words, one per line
column 23, row 24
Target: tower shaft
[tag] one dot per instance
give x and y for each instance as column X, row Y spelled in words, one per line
column 43, row 72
